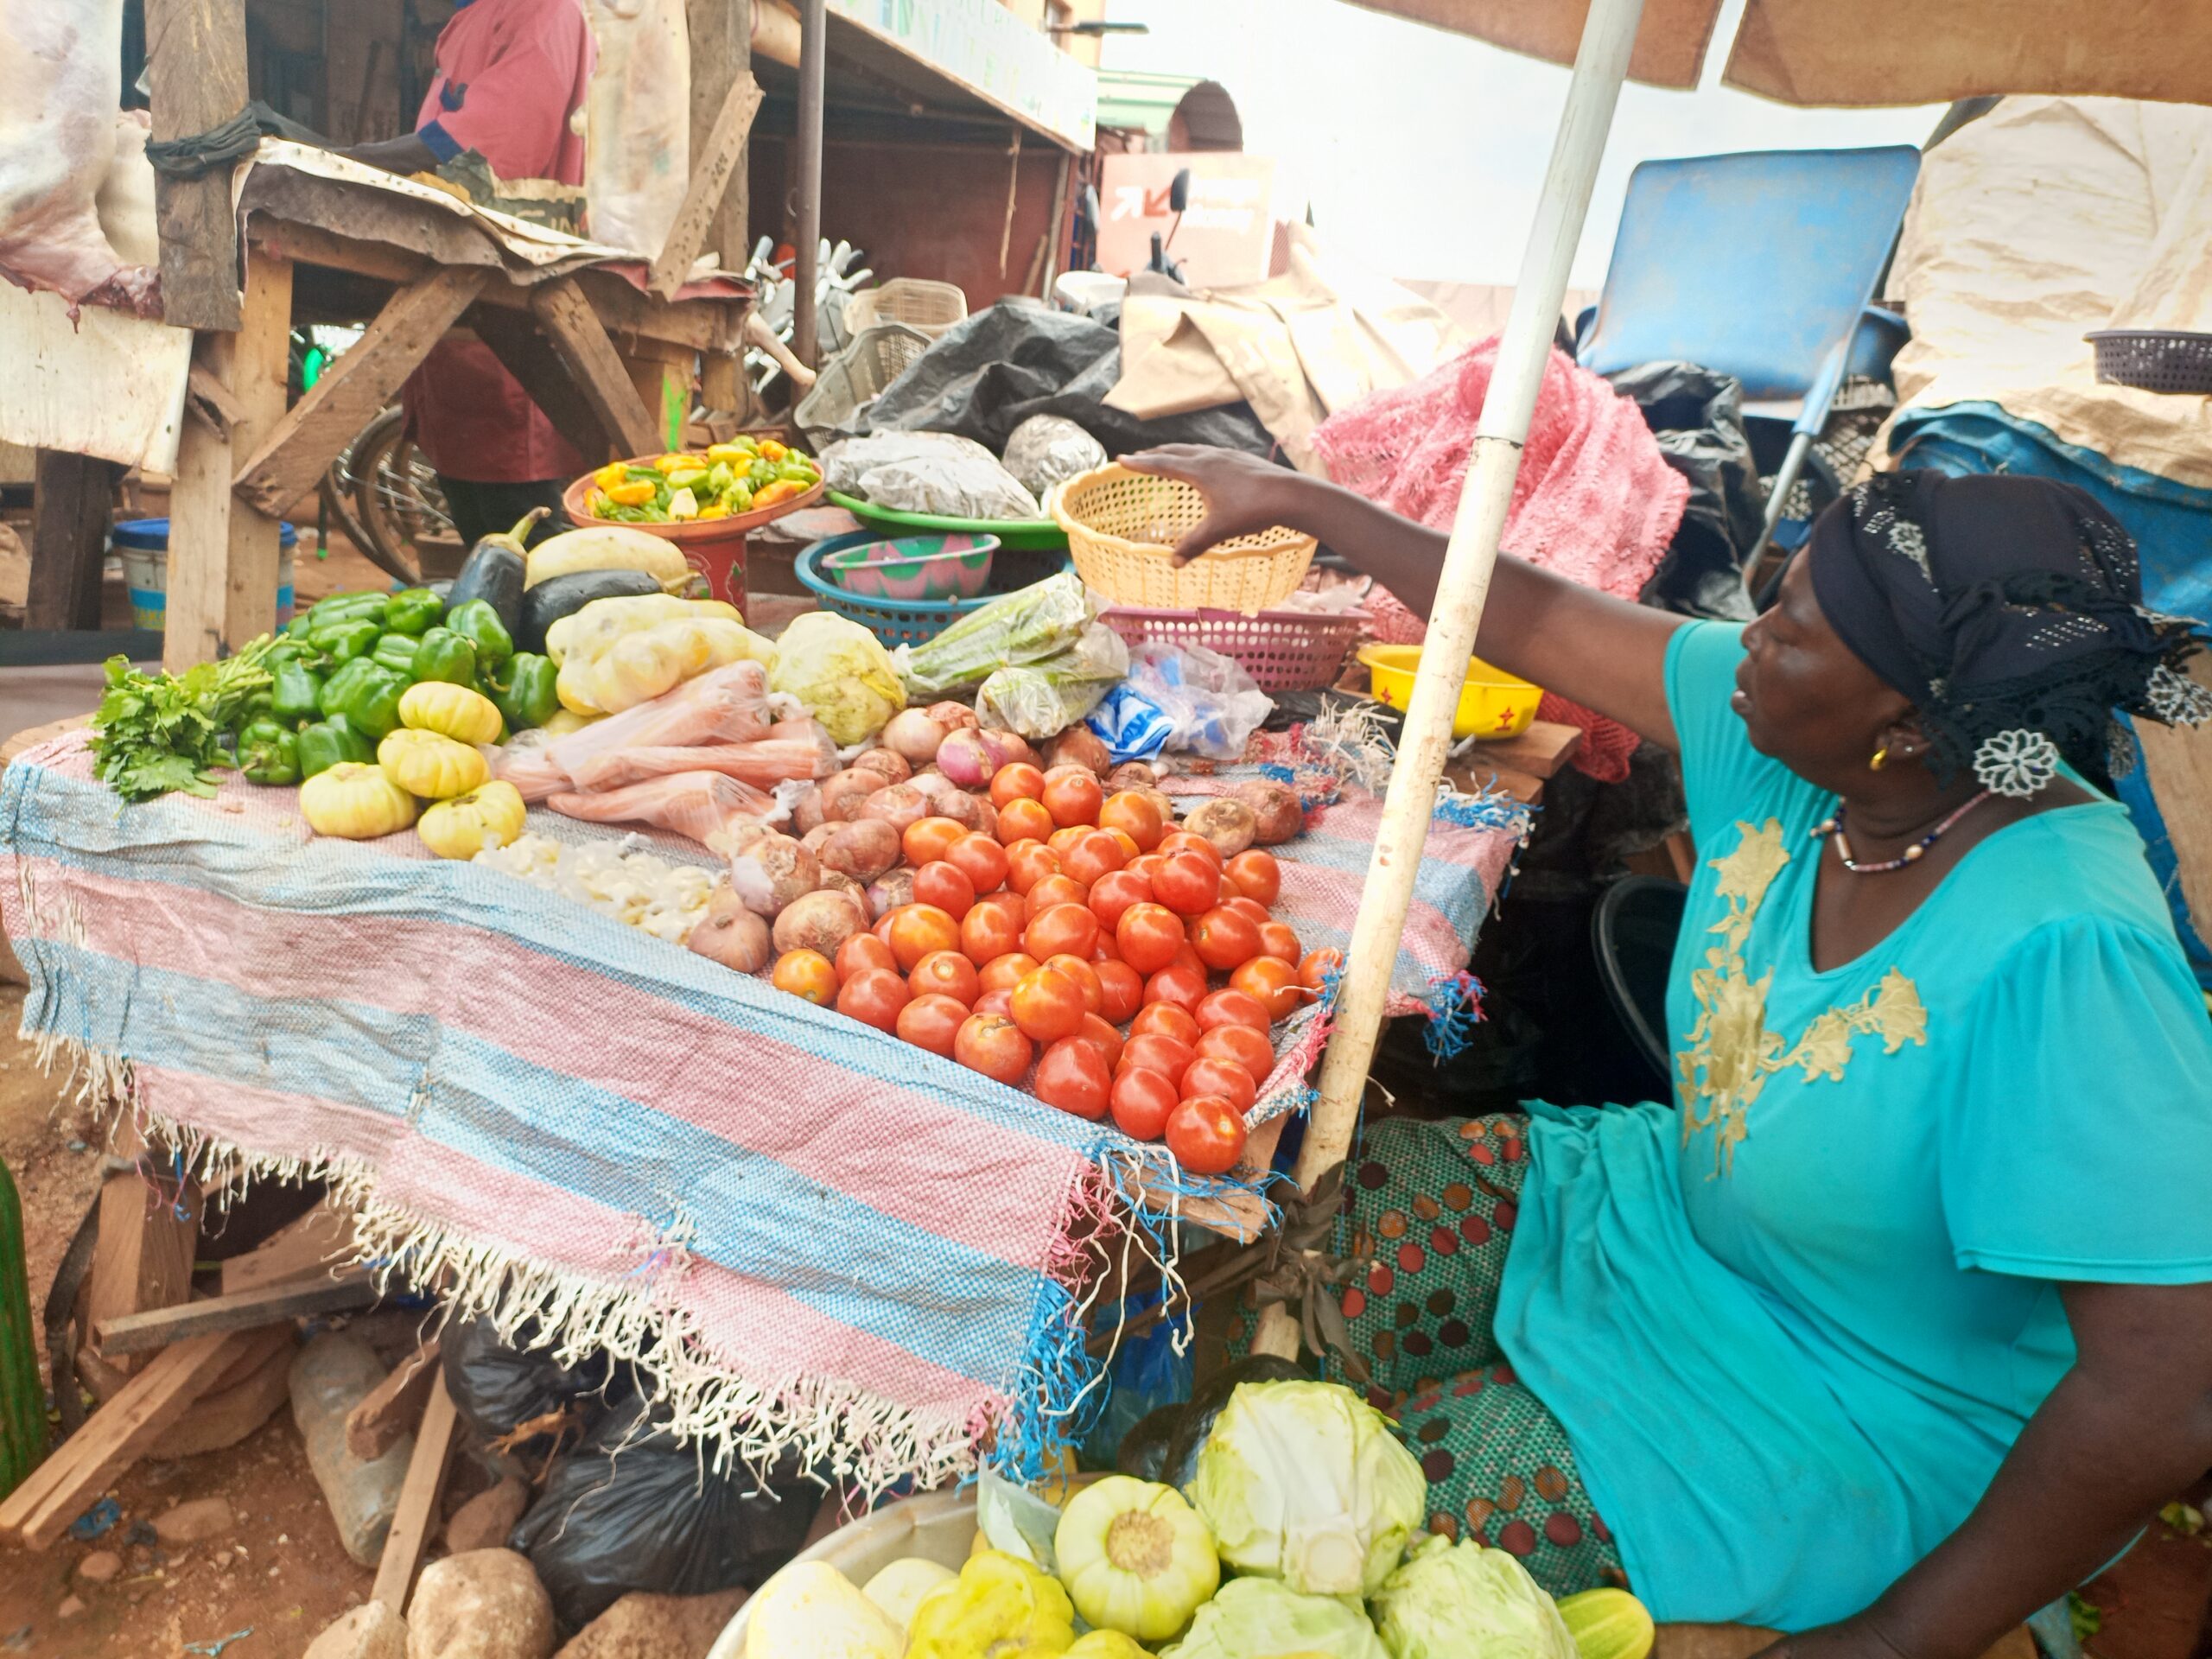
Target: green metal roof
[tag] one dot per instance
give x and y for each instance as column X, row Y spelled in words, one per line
column 1130, row 97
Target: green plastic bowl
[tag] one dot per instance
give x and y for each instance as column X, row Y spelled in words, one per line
column 1021, row 535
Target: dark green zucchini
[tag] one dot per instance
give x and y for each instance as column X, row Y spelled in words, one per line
column 547, row 602
column 494, row 571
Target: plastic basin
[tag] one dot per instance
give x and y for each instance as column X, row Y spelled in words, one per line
column 914, row 566
column 1493, row 704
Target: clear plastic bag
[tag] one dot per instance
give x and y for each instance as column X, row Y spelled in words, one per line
column 928, row 472
column 724, row 705
column 1041, row 700
column 1049, row 449
column 703, row 806
column 1029, row 625
column 841, row 673
column 1214, row 704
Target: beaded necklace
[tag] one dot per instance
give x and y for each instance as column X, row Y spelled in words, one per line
column 1911, row 855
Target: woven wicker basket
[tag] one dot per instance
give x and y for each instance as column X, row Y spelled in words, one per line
column 1122, row 527
column 933, row 308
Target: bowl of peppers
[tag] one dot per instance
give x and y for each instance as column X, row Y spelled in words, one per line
column 728, row 488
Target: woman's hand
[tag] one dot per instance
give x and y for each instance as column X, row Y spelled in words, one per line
column 1244, row 493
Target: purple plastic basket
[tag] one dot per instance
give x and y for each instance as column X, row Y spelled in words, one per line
column 1282, row 651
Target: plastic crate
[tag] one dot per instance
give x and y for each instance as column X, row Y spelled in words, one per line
column 915, row 300
column 1121, row 528
column 877, row 356
column 2154, row 359
column 1282, row 651
column 914, row 622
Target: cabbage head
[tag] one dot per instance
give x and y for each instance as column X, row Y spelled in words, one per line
column 1461, row 1601
column 1304, row 1481
column 1254, row 1616
column 839, row 671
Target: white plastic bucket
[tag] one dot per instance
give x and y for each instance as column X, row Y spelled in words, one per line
column 143, row 545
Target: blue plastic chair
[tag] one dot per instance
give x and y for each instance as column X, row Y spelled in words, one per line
column 1762, row 265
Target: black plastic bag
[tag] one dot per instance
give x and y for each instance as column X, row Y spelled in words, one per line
column 988, row 374
column 633, row 1509
column 1697, row 415
column 498, row 1386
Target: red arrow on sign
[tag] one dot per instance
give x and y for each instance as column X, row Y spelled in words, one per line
column 1157, row 205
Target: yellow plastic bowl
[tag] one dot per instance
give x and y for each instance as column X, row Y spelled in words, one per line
column 1493, row 704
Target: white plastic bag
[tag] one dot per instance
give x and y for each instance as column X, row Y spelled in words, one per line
column 1215, row 705
column 927, row 472
column 1049, row 449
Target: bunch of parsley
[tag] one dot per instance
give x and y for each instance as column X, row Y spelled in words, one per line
column 155, row 733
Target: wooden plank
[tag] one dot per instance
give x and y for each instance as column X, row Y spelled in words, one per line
column 196, row 70
column 589, row 356
column 148, row 1230
column 289, row 462
column 127, row 1428
column 314, row 1245
column 223, row 555
column 721, row 56
column 249, row 1310
column 513, row 337
column 664, row 388
column 360, row 49
column 390, row 1408
column 1545, row 747
column 1477, row 772
column 711, row 171
column 75, row 496
column 417, row 1513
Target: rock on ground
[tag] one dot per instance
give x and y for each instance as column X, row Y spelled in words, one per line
column 99, row 1567
column 372, row 1631
column 193, row 1522
column 485, row 1604
column 68, row 1607
column 486, row 1520
column 641, row 1626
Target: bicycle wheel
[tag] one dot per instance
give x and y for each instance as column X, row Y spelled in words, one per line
column 396, row 495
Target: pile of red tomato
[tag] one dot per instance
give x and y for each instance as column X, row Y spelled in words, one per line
column 1077, row 951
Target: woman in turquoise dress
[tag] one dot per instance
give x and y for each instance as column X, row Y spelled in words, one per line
column 1895, row 1323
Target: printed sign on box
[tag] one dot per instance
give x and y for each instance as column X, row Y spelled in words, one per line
column 1226, row 232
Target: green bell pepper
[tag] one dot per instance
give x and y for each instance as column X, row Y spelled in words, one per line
column 523, row 691
column 344, row 607
column 477, row 623
column 342, row 641
column 322, row 745
column 294, row 689
column 445, row 655
column 300, row 627
column 413, row 610
column 397, row 652
column 268, row 753
column 340, row 685
column 370, row 705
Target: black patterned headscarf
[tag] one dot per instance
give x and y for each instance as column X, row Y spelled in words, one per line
column 2009, row 609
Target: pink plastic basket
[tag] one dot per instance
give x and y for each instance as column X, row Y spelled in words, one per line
column 1282, row 651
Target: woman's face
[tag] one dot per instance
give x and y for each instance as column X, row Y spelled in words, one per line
column 1804, row 697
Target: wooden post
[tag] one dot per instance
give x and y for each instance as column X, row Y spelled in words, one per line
column 589, row 356
column 223, row 557
column 662, row 375
column 721, row 56
column 513, row 337
column 195, row 61
column 69, row 521
column 149, row 1232
column 813, row 68
column 713, row 164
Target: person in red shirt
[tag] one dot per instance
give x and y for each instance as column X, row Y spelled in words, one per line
column 510, row 80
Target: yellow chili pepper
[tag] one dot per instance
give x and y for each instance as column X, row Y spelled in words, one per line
column 609, row 475
column 680, row 463
column 634, row 493
column 713, row 510
column 771, row 450
column 743, row 450
column 782, row 490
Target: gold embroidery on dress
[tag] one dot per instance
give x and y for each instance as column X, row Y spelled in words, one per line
column 1731, row 1052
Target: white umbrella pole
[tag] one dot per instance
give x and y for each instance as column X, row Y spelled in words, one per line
column 1600, row 66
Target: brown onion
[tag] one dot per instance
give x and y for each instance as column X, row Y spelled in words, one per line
column 900, row 805
column 773, row 872
column 729, row 933
column 1276, row 815
column 820, row 921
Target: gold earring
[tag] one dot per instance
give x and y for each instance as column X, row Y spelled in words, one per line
column 1881, row 759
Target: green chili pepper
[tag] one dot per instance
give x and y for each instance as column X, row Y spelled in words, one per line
column 293, row 691
column 524, row 689
column 268, row 753
column 344, row 641
column 477, row 623
column 397, row 652
column 322, row 745
column 413, row 610
column 444, row 655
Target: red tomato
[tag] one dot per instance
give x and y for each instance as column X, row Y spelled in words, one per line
column 1094, row 854
column 1249, row 907
column 1004, row 973
column 1273, row 982
column 1170, row 1058
column 1315, row 967
column 1223, row 1078
column 1221, row 936
column 1095, row 1029
column 1142, row 1103
column 942, row 883
column 926, row 839
column 988, row 1043
column 1186, row 884
column 1056, row 890
column 1121, row 989
column 1144, row 863
column 1073, row 795
column 1126, row 842
column 1233, row 1008
column 1115, row 892
column 1028, row 863
column 1047, row 1005
column 933, row 1022
column 863, row 950
column 1239, row 1045
column 1183, row 985
column 981, row 859
column 873, row 996
column 1061, row 840
column 917, row 929
column 1206, row 1135
column 1184, row 957
column 1000, row 1002
column 1279, row 939
column 1085, row 978
column 1165, row 1019
column 990, row 930
column 807, row 974
column 1148, row 935
column 883, row 930
column 1016, row 781
column 1074, row 1077
column 1105, row 950
column 1063, row 930
column 1135, row 816
column 1024, row 820
column 1256, row 875
column 946, row 973
column 1184, row 841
